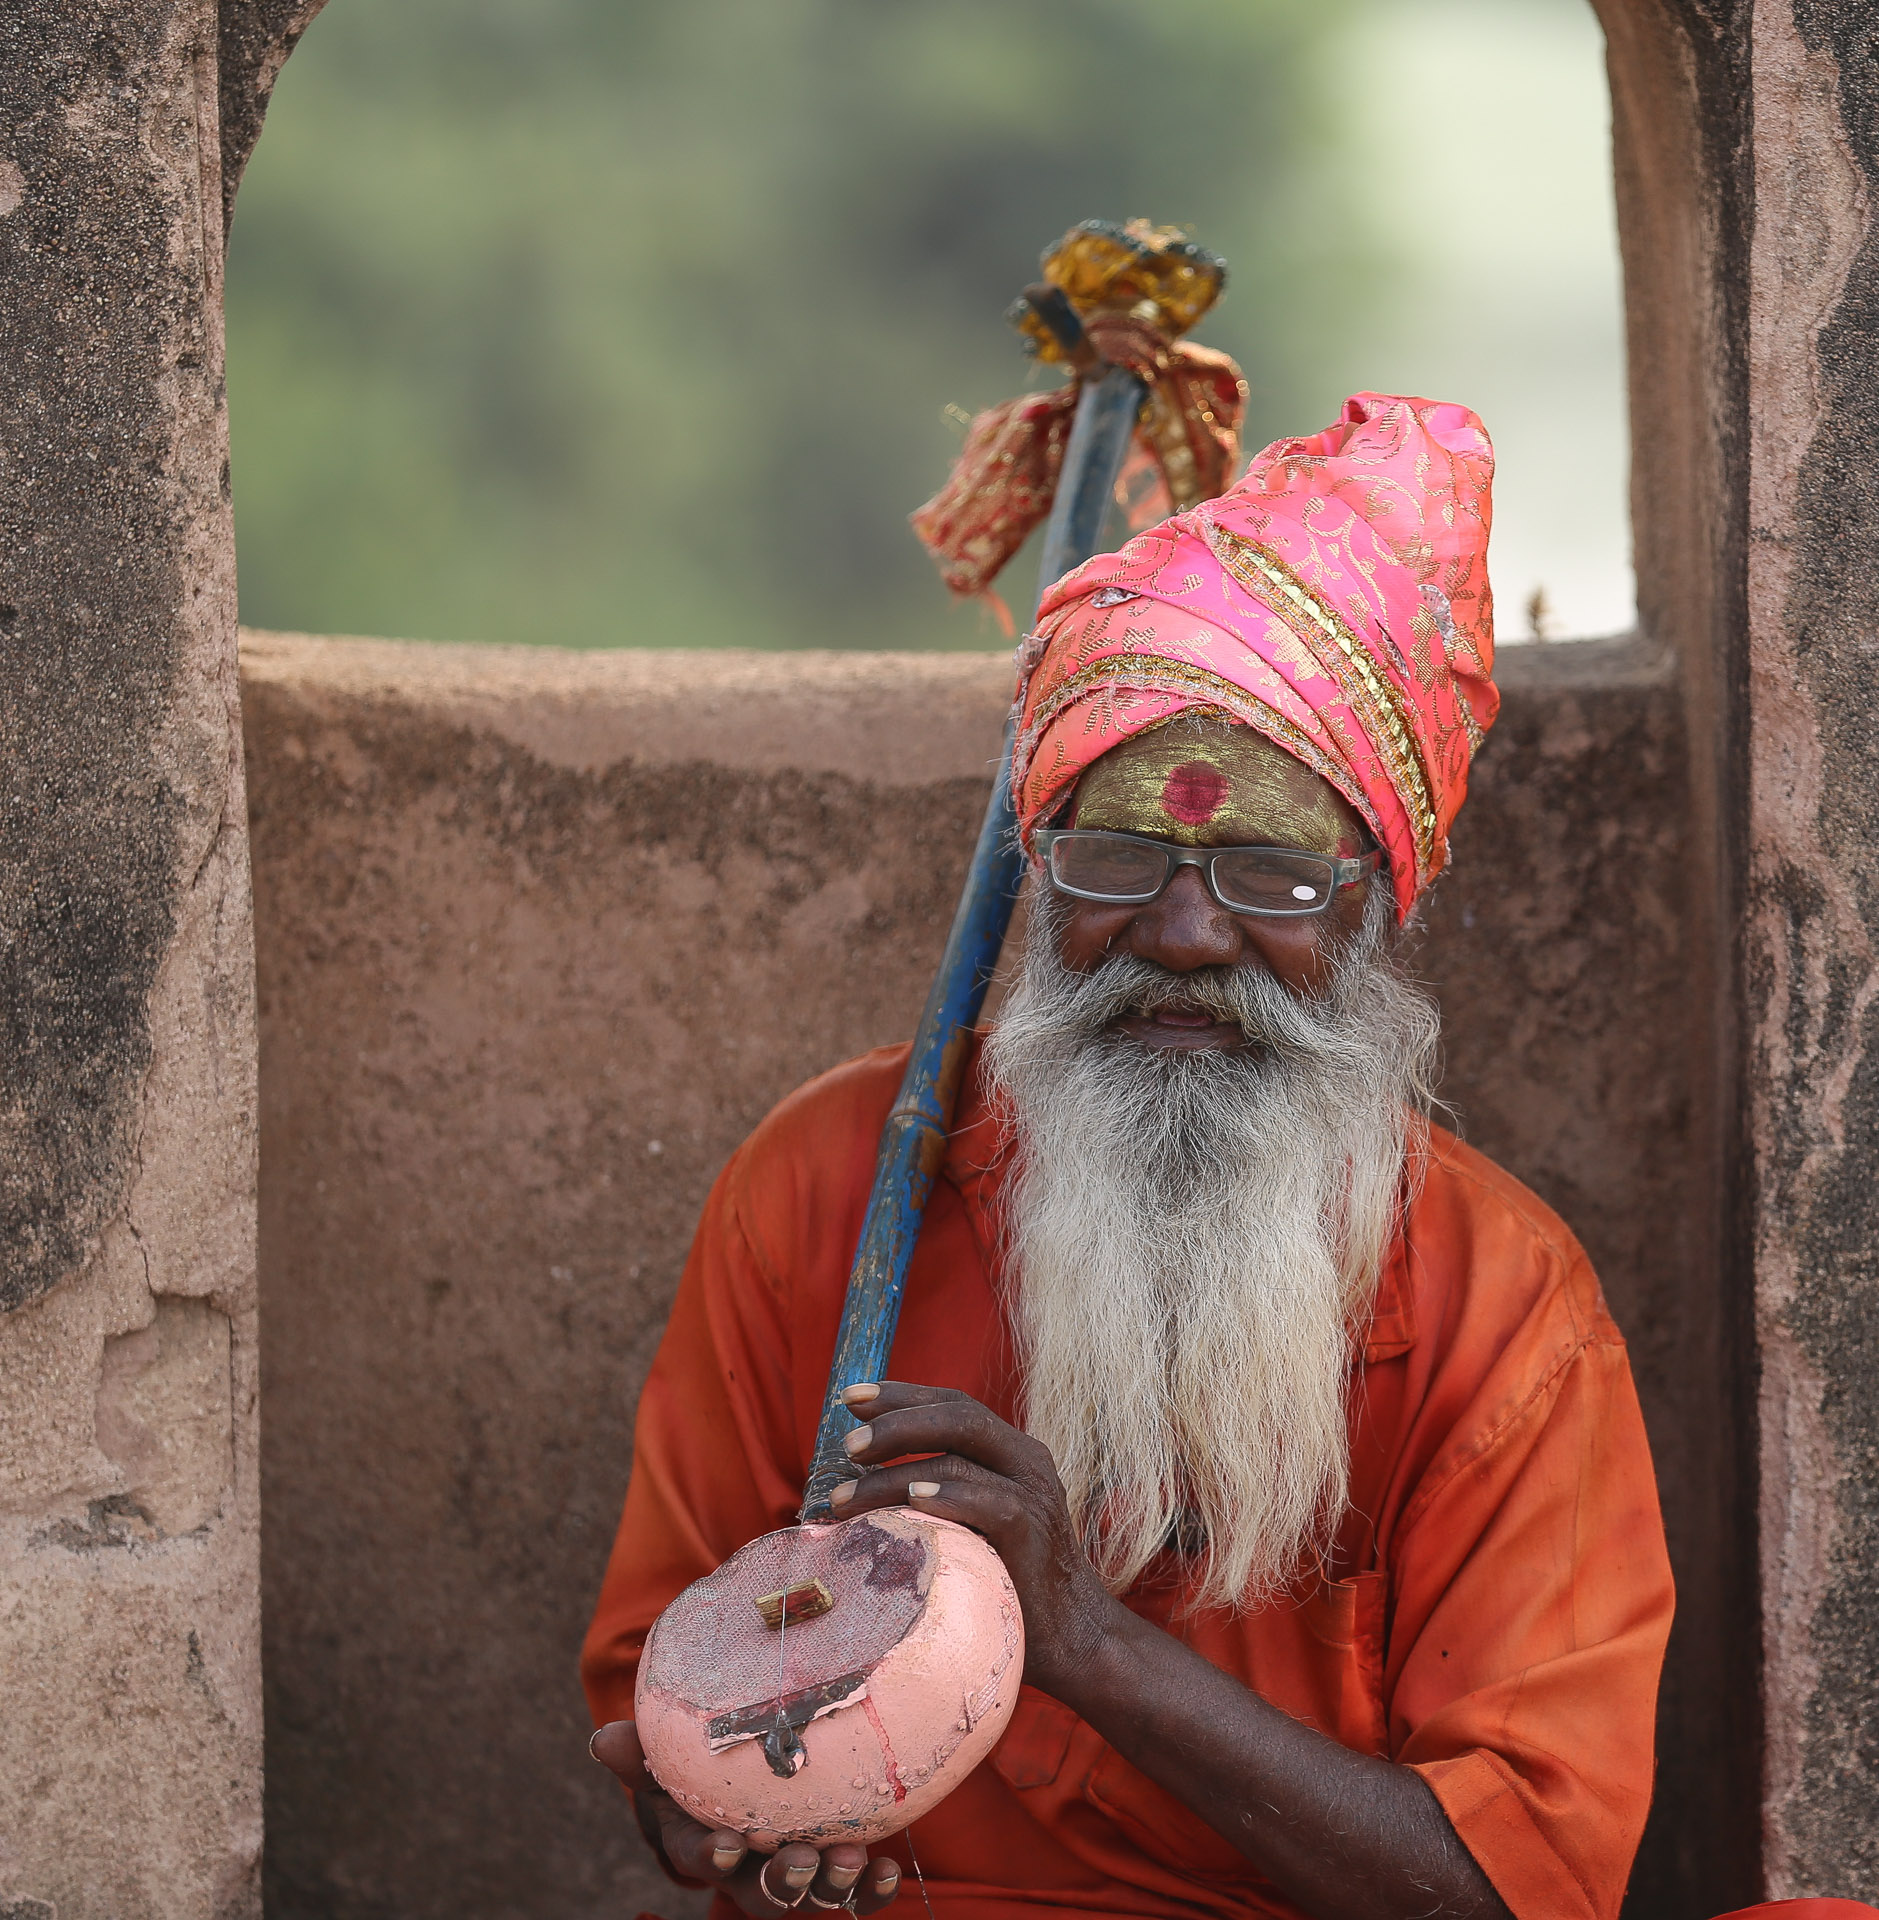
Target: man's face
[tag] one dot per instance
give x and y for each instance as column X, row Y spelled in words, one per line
column 1212, row 785
column 1213, row 1112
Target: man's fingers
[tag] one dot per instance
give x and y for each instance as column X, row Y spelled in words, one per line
column 727, row 1851
column 889, row 1396
column 958, row 1425
column 887, row 1487
column 948, row 1488
column 842, row 1866
column 879, row 1884
column 616, row 1746
column 990, row 1507
column 703, row 1853
column 786, row 1876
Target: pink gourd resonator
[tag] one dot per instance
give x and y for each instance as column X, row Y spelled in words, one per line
column 832, row 1682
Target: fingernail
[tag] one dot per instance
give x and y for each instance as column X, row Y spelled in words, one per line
column 861, row 1390
column 857, row 1442
column 844, row 1877
column 891, row 1878
column 725, row 1858
column 841, row 1493
column 924, row 1489
column 800, row 1876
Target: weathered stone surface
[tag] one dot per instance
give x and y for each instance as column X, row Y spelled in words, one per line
column 129, row 1770
column 541, row 936
column 1747, row 144
column 1812, row 972
column 1682, row 106
column 113, row 738
column 1562, row 945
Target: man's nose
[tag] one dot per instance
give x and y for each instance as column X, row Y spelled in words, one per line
column 1184, row 927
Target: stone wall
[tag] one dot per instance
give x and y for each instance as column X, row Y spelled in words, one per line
column 129, row 1500
column 541, row 935
column 1747, row 148
column 1682, row 92
column 1811, row 900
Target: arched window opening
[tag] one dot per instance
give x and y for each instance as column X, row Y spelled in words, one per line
column 578, row 324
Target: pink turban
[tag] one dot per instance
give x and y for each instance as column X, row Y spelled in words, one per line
column 1336, row 599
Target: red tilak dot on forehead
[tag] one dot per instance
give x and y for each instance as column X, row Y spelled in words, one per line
column 1194, row 793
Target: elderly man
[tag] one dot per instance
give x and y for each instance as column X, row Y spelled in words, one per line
column 1302, row 1429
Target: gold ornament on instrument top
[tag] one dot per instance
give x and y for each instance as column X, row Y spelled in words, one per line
column 1152, row 274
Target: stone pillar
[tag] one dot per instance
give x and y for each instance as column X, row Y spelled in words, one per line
column 1810, row 957
column 130, row 1756
column 1747, row 139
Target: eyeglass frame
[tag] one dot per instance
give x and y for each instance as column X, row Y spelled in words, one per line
column 1344, row 873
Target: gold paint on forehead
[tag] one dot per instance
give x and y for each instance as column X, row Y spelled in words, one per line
column 1264, row 797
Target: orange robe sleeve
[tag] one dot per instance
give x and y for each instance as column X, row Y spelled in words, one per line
column 1531, row 1589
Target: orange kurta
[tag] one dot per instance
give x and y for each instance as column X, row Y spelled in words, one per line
column 1502, row 1596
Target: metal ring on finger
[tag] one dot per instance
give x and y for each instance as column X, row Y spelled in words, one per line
column 764, row 1887
column 845, row 1903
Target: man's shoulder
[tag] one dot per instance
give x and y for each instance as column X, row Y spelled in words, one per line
column 1464, row 1178
column 1486, row 1247
column 816, row 1147
column 847, row 1101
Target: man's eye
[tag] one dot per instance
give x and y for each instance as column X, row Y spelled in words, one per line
column 1120, row 866
column 1274, row 882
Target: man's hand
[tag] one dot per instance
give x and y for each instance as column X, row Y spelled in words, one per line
column 1348, row 1835
column 1001, row 1483
column 796, row 1874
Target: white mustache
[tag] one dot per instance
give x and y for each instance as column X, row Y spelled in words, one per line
column 1269, row 1015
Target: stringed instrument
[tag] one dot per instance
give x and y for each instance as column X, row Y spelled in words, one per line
column 836, row 1680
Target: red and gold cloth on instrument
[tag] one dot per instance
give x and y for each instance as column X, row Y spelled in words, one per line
column 1135, row 290
column 1336, row 600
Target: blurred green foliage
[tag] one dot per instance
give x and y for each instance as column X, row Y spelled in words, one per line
column 605, row 322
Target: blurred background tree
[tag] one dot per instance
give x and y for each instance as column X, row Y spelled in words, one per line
column 637, row 322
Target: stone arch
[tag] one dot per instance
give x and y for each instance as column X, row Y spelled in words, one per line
column 1744, row 144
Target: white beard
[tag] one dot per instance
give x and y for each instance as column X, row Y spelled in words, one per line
column 1194, row 1235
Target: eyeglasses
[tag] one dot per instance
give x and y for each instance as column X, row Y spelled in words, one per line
column 1126, row 869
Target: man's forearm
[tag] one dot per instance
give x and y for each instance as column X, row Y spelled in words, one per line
column 1347, row 1836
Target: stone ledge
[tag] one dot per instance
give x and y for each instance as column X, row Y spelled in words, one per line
column 540, row 936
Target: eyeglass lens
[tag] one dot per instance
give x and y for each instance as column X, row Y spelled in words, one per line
column 1254, row 879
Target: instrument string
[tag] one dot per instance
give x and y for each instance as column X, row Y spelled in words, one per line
column 782, row 1747
column 782, row 1626
column 913, row 1854
column 782, row 1690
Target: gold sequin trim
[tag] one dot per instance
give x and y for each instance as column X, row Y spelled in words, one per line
column 1148, row 673
column 1365, row 684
